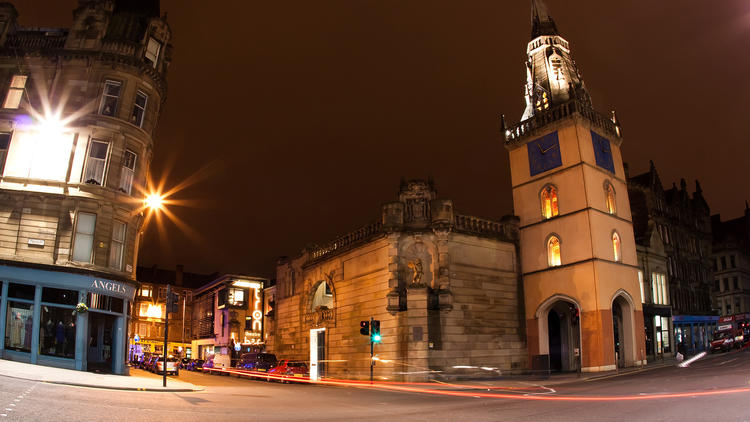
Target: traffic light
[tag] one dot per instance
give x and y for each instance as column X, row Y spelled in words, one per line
column 172, row 300
column 375, row 331
column 364, row 328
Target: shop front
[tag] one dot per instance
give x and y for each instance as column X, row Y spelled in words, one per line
column 657, row 321
column 693, row 333
column 63, row 319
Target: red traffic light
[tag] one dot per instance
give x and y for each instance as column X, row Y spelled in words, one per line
column 364, row 328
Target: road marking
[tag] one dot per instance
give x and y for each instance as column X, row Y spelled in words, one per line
column 727, row 361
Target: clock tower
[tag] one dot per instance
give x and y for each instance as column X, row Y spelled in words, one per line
column 578, row 257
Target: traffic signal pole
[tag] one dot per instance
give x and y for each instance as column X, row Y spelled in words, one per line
column 372, row 349
column 166, row 333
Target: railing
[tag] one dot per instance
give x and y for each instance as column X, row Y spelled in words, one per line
column 320, row 316
column 342, row 242
column 37, row 40
column 540, row 119
column 119, row 47
column 483, row 227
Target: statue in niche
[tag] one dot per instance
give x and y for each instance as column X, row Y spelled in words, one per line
column 416, row 267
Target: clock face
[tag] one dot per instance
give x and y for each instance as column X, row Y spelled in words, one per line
column 544, row 154
column 603, row 152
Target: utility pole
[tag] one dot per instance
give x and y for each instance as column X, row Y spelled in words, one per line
column 166, row 331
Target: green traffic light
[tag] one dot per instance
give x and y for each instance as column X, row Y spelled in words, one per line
column 376, row 338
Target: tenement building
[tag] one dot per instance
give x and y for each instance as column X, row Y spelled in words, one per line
column 731, row 261
column 444, row 287
column 683, row 226
column 79, row 109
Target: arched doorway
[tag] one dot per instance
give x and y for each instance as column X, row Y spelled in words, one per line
column 622, row 330
column 559, row 334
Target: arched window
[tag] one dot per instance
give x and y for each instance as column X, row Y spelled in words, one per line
column 609, row 191
column 323, row 297
column 616, row 246
column 549, row 202
column 553, row 251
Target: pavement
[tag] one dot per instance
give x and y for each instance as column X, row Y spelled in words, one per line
column 70, row 377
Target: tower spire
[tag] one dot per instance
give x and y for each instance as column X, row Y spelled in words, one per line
column 541, row 21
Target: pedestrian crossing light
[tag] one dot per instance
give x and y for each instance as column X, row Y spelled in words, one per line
column 375, row 331
column 364, row 328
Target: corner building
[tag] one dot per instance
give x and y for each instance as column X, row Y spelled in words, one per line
column 578, row 256
column 79, row 109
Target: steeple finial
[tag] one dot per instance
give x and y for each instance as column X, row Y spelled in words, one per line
column 541, row 22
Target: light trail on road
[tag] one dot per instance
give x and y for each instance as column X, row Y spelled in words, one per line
column 520, row 395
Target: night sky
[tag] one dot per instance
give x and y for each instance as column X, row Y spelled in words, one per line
column 295, row 120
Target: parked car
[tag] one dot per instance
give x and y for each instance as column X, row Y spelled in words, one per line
column 184, row 362
column 172, row 366
column 148, row 364
column 209, row 363
column 194, row 365
column 257, row 361
column 290, row 368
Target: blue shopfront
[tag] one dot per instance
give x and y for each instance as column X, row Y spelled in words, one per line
column 693, row 333
column 43, row 321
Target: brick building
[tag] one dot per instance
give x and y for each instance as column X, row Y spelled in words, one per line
column 731, row 263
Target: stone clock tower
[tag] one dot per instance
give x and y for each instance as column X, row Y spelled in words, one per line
column 582, row 295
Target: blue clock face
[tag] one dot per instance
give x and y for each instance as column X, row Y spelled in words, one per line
column 544, row 154
column 603, row 152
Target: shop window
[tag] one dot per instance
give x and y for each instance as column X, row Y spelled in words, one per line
column 110, row 98
column 128, row 171
column 616, row 246
column 84, row 237
column 19, row 324
column 96, row 162
column 21, row 291
column 553, row 252
column 117, row 246
column 609, row 192
column 105, row 303
column 61, row 296
column 57, row 334
column 139, row 109
column 15, row 91
column 4, row 145
column 549, row 202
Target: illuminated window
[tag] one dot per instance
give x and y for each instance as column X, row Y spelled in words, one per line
column 15, row 91
column 553, row 251
column 236, row 297
column 152, row 51
column 616, row 246
column 84, row 237
column 4, row 144
column 640, row 282
column 139, row 109
column 146, row 292
column 128, row 171
column 322, row 297
column 96, row 162
column 609, row 191
column 659, row 289
column 110, row 98
column 117, row 245
column 549, row 202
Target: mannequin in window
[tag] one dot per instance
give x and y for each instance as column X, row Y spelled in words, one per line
column 28, row 326
column 49, row 335
column 59, row 338
column 70, row 339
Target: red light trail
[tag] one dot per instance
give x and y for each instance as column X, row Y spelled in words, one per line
column 415, row 388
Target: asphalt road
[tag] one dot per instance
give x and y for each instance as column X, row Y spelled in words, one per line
column 716, row 388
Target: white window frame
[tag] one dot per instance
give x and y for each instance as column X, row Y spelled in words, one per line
column 128, row 173
column 138, row 121
column 117, row 245
column 106, row 95
column 80, row 237
column 15, row 91
column 96, row 161
column 150, row 54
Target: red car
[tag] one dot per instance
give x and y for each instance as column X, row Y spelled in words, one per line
column 290, row 368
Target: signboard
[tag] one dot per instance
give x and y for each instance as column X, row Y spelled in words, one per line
column 137, row 338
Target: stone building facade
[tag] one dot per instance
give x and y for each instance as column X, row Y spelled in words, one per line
column 683, row 226
column 731, row 264
column 80, row 107
column 444, row 286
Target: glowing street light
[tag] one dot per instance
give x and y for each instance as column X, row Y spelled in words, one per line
column 154, row 201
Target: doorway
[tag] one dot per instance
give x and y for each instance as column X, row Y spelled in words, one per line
column 317, row 353
column 99, row 356
column 562, row 336
column 622, row 330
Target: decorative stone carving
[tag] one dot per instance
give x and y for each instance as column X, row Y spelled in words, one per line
column 416, row 267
